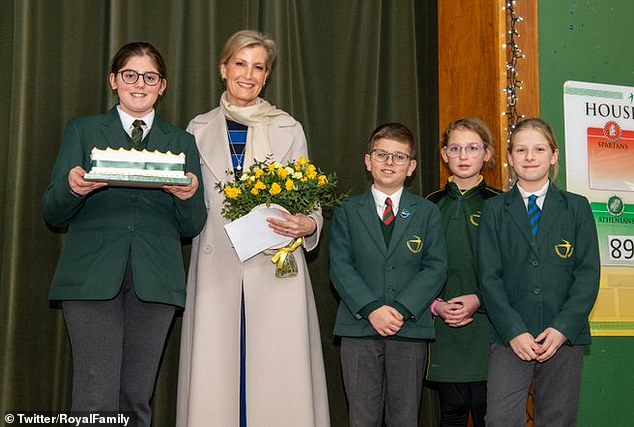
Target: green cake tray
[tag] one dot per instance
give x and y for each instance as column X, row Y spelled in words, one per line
column 136, row 180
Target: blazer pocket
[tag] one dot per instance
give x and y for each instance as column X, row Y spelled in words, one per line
column 561, row 248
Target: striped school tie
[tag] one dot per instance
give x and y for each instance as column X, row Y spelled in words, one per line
column 137, row 134
column 534, row 213
column 388, row 213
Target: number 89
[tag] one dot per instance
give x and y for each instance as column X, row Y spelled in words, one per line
column 622, row 248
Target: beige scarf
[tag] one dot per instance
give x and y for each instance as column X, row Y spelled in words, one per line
column 257, row 117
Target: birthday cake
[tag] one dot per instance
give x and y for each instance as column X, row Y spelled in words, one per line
column 137, row 168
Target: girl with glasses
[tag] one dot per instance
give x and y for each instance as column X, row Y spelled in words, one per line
column 458, row 357
column 120, row 275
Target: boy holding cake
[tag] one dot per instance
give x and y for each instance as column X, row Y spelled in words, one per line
column 120, row 275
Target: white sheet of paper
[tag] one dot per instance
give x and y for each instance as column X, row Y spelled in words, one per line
column 251, row 233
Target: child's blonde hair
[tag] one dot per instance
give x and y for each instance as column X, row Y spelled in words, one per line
column 544, row 128
column 475, row 125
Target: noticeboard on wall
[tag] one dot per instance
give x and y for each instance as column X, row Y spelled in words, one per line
column 599, row 129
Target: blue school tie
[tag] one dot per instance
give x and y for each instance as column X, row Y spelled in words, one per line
column 137, row 134
column 388, row 213
column 534, row 213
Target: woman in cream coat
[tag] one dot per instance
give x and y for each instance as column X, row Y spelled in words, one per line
column 283, row 370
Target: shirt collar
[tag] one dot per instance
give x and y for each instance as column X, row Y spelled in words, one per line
column 379, row 199
column 541, row 193
column 126, row 120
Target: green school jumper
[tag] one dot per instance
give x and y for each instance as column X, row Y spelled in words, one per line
column 460, row 354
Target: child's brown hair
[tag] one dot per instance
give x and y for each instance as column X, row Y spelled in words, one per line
column 475, row 125
column 397, row 132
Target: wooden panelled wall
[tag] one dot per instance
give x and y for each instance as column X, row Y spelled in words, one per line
column 472, row 56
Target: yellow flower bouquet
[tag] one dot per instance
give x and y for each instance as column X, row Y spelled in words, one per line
column 300, row 187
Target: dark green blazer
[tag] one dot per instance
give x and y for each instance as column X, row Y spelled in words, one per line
column 410, row 271
column 531, row 283
column 114, row 223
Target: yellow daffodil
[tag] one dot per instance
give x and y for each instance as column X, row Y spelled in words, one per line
column 322, row 180
column 302, row 161
column 258, row 173
column 275, row 189
column 281, row 173
column 232, row 192
column 311, row 172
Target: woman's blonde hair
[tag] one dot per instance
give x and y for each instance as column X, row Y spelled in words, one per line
column 544, row 128
column 248, row 38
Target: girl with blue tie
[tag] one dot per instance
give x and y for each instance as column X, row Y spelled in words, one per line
column 539, row 274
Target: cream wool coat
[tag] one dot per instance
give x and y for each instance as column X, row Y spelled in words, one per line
column 286, row 384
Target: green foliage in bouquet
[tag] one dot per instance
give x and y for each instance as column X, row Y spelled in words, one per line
column 300, row 187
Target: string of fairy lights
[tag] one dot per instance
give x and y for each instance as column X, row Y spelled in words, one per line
column 513, row 56
column 513, row 83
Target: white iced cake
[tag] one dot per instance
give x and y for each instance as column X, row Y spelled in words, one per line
column 137, row 168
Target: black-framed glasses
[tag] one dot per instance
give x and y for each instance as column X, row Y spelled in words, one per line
column 398, row 158
column 472, row 150
column 149, row 77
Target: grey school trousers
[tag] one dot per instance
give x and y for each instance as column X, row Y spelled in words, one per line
column 117, row 346
column 556, row 393
column 383, row 381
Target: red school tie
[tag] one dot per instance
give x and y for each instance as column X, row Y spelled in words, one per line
column 388, row 213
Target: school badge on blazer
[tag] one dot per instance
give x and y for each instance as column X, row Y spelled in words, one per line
column 564, row 250
column 474, row 218
column 415, row 244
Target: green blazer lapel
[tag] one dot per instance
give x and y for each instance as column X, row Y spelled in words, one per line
column 552, row 208
column 517, row 211
column 402, row 221
column 369, row 218
column 157, row 138
column 113, row 132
